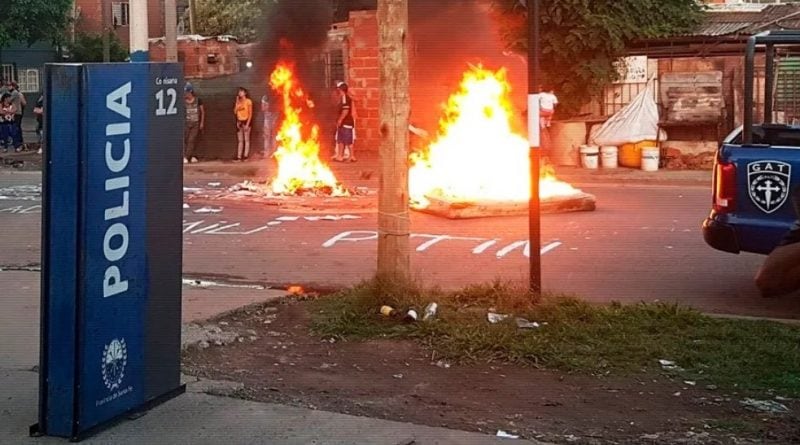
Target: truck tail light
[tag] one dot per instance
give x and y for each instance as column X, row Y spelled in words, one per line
column 724, row 187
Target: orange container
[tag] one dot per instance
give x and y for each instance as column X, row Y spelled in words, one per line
column 630, row 155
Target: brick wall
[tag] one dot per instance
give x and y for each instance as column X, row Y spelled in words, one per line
column 364, row 77
column 194, row 53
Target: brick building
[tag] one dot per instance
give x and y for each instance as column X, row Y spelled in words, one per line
column 204, row 57
column 352, row 56
column 93, row 15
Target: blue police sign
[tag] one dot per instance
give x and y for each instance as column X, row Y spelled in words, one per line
column 111, row 277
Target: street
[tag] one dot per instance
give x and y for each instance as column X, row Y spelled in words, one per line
column 643, row 243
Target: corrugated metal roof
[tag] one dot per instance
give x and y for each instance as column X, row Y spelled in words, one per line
column 747, row 22
column 719, row 29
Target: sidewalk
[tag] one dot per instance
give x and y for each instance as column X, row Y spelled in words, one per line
column 195, row 417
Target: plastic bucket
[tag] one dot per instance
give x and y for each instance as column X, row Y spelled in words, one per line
column 590, row 156
column 630, row 155
column 650, row 158
column 608, row 157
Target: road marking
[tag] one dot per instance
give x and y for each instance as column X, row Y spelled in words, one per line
column 345, row 236
column 551, row 246
column 357, row 236
column 482, row 248
column 22, row 209
column 206, row 284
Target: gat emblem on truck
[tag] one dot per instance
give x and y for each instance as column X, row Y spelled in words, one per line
column 768, row 184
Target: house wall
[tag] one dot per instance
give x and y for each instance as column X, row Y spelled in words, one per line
column 691, row 139
column 363, row 76
column 194, row 55
column 24, row 59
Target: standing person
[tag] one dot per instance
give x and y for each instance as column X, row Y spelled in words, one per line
column 270, row 121
column 18, row 99
column 547, row 107
column 38, row 110
column 345, row 126
column 195, row 123
column 8, row 128
column 243, row 110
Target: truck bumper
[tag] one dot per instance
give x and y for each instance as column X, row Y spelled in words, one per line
column 720, row 236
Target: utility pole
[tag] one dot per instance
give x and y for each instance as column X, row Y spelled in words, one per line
column 192, row 15
column 394, row 259
column 106, row 31
column 140, row 43
column 171, row 30
column 534, row 138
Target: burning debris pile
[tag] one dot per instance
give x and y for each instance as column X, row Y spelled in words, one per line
column 266, row 190
column 300, row 170
column 477, row 165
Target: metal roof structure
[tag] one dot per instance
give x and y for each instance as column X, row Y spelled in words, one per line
column 724, row 31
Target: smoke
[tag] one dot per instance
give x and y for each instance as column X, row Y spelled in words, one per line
column 294, row 30
column 440, row 54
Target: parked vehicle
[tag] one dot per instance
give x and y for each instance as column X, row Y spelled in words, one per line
column 758, row 165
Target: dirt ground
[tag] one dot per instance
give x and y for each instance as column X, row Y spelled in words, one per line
column 277, row 360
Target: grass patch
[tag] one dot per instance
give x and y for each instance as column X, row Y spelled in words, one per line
column 751, row 356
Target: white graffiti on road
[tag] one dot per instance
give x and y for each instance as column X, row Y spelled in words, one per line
column 203, row 227
column 357, row 236
column 22, row 209
column 21, row 193
column 219, row 228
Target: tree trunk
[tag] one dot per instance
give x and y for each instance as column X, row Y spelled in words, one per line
column 394, row 259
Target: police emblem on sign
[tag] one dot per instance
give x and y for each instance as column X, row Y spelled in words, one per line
column 768, row 184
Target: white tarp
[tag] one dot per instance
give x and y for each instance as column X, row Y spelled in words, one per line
column 636, row 122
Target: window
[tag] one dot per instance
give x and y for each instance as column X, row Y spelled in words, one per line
column 335, row 68
column 7, row 72
column 29, row 80
column 120, row 14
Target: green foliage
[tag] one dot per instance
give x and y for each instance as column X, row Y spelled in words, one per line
column 223, row 17
column 33, row 21
column 582, row 39
column 88, row 47
column 751, row 356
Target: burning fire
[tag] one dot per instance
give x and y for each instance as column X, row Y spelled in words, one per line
column 476, row 155
column 299, row 166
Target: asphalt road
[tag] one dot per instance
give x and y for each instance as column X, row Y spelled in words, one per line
column 642, row 243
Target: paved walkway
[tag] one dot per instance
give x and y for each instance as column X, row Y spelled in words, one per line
column 195, row 417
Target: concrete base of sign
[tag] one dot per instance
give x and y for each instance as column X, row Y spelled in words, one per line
column 580, row 202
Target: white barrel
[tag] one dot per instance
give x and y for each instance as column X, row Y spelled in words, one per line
column 609, row 157
column 650, row 158
column 590, row 155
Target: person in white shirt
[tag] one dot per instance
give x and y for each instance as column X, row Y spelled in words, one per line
column 547, row 107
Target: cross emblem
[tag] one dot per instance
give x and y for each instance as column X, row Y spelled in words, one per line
column 768, row 188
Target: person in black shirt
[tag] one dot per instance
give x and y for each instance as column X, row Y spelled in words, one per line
column 345, row 126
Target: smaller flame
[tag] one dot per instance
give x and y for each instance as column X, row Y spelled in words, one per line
column 295, row 290
column 299, row 166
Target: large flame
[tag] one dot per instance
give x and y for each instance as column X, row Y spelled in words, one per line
column 299, row 166
column 476, row 155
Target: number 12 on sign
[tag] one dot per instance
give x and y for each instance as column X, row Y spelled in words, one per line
column 172, row 97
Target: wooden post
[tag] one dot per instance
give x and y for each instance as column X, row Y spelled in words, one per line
column 394, row 259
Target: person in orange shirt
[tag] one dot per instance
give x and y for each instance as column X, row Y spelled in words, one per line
column 243, row 110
